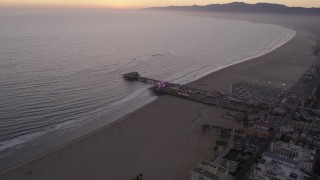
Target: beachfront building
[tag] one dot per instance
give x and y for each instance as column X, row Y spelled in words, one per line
column 256, row 132
column 304, row 157
column 276, row 167
column 230, row 165
column 262, row 126
column 209, row 171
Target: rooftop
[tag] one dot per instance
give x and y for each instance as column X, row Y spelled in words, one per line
column 293, row 147
column 280, row 158
column 279, row 167
column 205, row 173
column 220, row 169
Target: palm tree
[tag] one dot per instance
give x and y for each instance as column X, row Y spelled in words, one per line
column 205, row 127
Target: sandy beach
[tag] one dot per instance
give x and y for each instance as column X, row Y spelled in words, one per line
column 164, row 140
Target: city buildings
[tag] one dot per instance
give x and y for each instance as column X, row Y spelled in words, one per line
column 304, row 157
column 206, row 170
column 274, row 166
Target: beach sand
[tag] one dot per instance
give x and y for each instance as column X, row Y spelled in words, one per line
column 164, row 140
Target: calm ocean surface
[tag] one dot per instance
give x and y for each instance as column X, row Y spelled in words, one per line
column 60, row 70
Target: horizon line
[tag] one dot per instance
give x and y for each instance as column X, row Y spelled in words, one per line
column 29, row 6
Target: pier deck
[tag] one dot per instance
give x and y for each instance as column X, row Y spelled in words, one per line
column 214, row 98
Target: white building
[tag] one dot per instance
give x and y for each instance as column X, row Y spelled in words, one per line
column 277, row 167
column 230, row 165
column 209, row 171
column 304, row 157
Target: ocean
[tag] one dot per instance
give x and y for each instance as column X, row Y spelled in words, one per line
column 61, row 70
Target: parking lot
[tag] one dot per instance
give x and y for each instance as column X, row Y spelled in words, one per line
column 248, row 144
column 249, row 92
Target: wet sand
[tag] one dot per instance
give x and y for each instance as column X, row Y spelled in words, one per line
column 163, row 140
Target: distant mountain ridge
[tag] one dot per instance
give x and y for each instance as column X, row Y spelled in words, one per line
column 241, row 7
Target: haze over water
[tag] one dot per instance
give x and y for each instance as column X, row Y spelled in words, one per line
column 61, row 70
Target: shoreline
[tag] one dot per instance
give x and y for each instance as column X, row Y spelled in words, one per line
column 246, row 59
column 151, row 108
column 119, row 114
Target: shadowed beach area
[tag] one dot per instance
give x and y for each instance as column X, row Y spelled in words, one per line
column 163, row 140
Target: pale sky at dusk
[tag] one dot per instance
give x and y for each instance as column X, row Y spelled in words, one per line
column 142, row 3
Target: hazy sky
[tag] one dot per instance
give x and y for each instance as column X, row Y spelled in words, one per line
column 145, row 3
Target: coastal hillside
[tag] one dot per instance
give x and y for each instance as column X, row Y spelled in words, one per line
column 241, row 7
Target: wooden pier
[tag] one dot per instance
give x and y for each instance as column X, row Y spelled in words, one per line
column 214, row 98
column 135, row 76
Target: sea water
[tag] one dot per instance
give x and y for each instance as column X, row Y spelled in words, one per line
column 60, row 70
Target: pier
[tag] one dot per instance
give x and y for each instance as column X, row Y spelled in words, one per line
column 220, row 99
column 244, row 97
